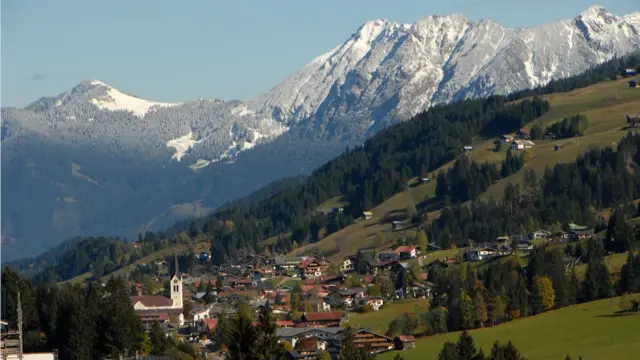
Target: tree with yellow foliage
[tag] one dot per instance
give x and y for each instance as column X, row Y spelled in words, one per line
column 544, row 296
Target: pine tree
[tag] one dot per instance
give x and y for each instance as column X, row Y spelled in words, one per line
column 449, row 352
column 268, row 342
column 242, row 339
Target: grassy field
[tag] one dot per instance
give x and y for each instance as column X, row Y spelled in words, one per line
column 605, row 105
column 590, row 330
column 378, row 321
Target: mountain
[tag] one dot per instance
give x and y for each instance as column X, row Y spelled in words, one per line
column 96, row 160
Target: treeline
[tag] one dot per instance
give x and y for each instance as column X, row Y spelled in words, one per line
column 568, row 127
column 83, row 322
column 572, row 192
column 466, row 180
column 465, row 298
column 609, row 70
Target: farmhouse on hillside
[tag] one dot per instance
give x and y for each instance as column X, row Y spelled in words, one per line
column 522, row 144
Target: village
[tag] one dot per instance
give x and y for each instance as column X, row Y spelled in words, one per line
column 312, row 297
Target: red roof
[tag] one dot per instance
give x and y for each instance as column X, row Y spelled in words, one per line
column 304, row 263
column 162, row 316
column 152, row 301
column 323, row 316
column 285, row 323
column 405, row 249
column 407, row 338
column 307, row 344
column 211, row 324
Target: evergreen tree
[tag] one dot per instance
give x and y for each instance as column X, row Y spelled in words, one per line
column 242, row 339
column 467, row 312
column 268, row 342
column 449, row 352
column 481, row 314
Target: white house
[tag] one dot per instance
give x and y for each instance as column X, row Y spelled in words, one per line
column 375, row 302
column 522, row 144
column 541, row 234
column 367, row 215
column 480, row 254
column 348, row 264
column 199, row 314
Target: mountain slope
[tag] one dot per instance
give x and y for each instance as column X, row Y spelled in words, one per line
column 96, row 160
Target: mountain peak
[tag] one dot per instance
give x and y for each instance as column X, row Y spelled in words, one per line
column 595, row 11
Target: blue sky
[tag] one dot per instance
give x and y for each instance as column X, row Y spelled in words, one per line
column 167, row 50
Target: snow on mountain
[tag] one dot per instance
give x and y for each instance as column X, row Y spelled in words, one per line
column 114, row 99
column 386, row 72
column 182, row 145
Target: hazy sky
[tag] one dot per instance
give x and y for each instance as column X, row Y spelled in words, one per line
column 168, row 50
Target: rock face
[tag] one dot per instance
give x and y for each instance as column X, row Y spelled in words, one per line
column 96, row 160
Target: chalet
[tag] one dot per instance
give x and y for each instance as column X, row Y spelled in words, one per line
column 505, row 139
column 634, row 84
column 345, row 298
column 371, row 342
column 375, row 302
column 332, row 336
column 558, row 147
column 311, row 348
column 312, row 267
column 367, row 215
column 630, row 72
column 148, row 319
column 287, row 263
column 541, row 234
column 239, row 282
column 331, row 279
column 480, row 254
column 375, row 267
column 467, row 148
column 407, row 252
column 262, row 274
column 319, row 304
column 400, row 224
column 387, row 256
column 425, row 180
column 404, row 342
column 348, row 264
column 522, row 134
column 524, row 248
column 324, row 318
column 522, row 144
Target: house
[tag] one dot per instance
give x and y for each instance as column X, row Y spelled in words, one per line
column 367, row 215
column 467, row 148
column 371, row 342
column 634, row 84
column 480, row 254
column 262, row 274
column 287, row 263
column 633, row 120
column 400, row 224
column 425, row 180
column 312, row 267
column 324, row 318
column 505, row 139
column 558, row 147
column 375, row 302
column 148, row 319
column 344, row 298
column 503, row 240
column 285, row 323
column 387, row 256
column 310, row 348
column 520, row 238
column 541, row 234
column 524, row 249
column 630, row 72
column 199, row 314
column 404, row 342
column 331, row 335
column 522, row 134
column 407, row 252
column 522, row 144
column 348, row 264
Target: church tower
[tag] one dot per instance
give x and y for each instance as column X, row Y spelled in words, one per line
column 176, row 287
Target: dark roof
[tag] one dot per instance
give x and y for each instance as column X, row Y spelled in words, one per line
column 152, row 301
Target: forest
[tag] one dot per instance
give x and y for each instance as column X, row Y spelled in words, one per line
column 571, row 192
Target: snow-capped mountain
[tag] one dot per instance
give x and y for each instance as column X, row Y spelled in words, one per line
column 70, row 160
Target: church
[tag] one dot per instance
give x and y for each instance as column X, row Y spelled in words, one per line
column 150, row 305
